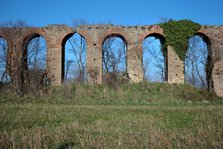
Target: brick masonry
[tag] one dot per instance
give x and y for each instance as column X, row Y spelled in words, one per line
column 95, row 35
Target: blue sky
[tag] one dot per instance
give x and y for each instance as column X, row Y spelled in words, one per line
column 121, row 12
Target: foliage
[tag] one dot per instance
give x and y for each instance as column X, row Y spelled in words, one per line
column 177, row 34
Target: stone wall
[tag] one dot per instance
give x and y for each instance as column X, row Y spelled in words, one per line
column 175, row 71
column 95, row 35
column 214, row 38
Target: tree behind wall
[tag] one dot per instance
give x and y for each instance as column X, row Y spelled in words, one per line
column 114, row 61
column 4, row 77
column 75, row 64
column 195, row 63
column 35, row 64
column 154, row 57
column 16, row 57
column 75, row 55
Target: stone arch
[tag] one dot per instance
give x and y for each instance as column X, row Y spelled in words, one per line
column 8, row 41
column 67, row 36
column 7, row 38
column 202, row 37
column 156, row 35
column 110, row 32
column 162, row 54
column 63, row 43
column 26, row 38
column 209, row 60
column 33, row 59
column 114, row 35
column 114, row 67
column 70, row 32
column 4, row 37
column 154, row 30
column 207, row 40
column 29, row 37
column 114, row 32
column 32, row 33
column 215, row 44
column 147, row 34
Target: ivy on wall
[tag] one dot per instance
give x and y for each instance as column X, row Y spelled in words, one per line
column 177, row 34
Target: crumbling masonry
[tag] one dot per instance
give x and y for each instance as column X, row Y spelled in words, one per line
column 56, row 36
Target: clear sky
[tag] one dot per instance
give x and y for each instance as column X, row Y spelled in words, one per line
column 122, row 12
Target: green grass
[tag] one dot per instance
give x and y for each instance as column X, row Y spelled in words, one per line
column 53, row 126
column 131, row 116
column 125, row 94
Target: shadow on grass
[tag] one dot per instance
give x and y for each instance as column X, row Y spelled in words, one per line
column 68, row 145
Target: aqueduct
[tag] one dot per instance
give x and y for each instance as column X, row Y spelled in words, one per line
column 56, row 35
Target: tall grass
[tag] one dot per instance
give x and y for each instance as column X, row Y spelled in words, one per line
column 141, row 115
column 125, row 94
column 75, row 126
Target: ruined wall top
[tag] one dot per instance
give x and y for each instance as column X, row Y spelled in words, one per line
column 141, row 31
column 56, row 34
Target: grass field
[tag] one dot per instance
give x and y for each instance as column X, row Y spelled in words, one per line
column 119, row 120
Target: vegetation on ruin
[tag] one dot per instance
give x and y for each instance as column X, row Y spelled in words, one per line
column 139, row 115
column 177, row 34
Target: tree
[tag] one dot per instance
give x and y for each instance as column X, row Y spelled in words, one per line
column 164, row 19
column 153, row 59
column 35, row 64
column 79, row 50
column 75, row 55
column 79, row 22
column 195, row 62
column 17, row 57
column 3, row 56
column 13, row 55
column 36, row 54
column 75, row 64
column 114, row 60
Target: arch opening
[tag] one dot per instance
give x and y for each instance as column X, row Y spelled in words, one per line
column 4, row 61
column 36, row 53
column 197, row 63
column 114, row 60
column 74, row 58
column 154, row 58
column 34, row 76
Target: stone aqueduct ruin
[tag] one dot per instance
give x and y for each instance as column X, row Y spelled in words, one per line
column 56, row 36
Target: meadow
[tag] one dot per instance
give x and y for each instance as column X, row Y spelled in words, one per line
column 139, row 115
